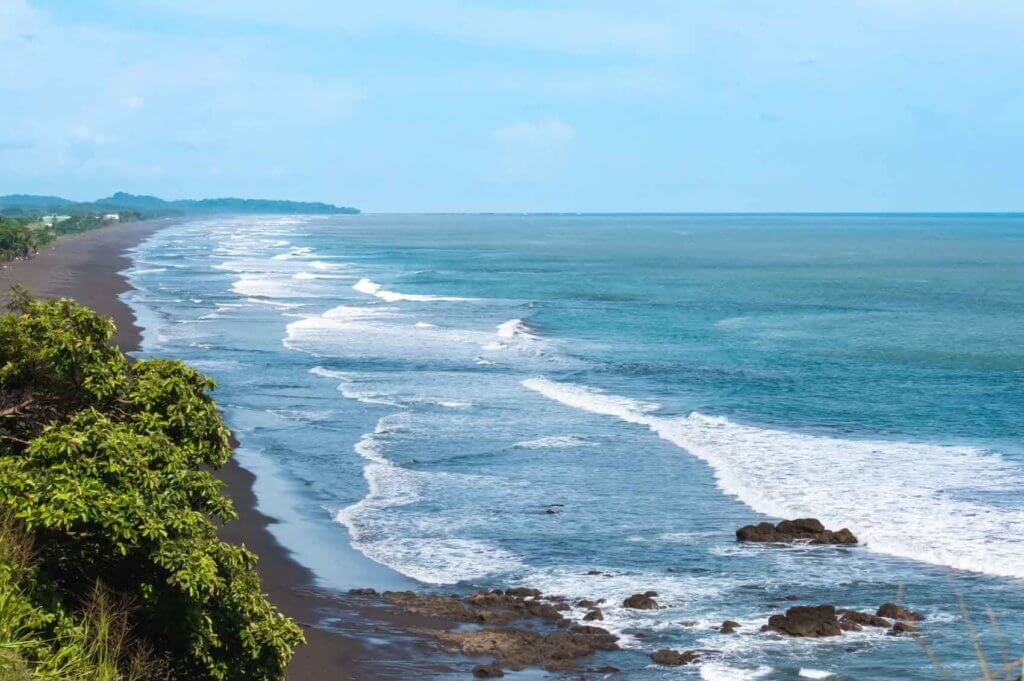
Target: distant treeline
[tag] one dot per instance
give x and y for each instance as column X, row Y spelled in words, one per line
column 22, row 237
column 28, row 205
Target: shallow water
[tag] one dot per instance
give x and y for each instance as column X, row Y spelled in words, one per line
column 425, row 388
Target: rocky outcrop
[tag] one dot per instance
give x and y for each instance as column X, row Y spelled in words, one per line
column 900, row 627
column 806, row 621
column 593, row 615
column 729, row 627
column 488, row 671
column 644, row 601
column 674, row 658
column 787, row 531
column 862, row 619
column 362, row 592
column 895, row 611
column 519, row 648
column 510, row 647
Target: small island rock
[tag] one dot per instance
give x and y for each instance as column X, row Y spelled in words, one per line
column 674, row 658
column 806, row 621
column 644, row 601
column 898, row 612
column 809, row 529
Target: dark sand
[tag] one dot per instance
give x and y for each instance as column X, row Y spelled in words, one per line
column 85, row 267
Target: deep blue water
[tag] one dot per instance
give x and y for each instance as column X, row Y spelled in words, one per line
column 414, row 391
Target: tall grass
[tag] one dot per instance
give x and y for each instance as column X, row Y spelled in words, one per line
column 1006, row 670
column 47, row 644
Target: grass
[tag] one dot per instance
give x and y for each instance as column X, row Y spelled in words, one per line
column 92, row 644
column 1006, row 670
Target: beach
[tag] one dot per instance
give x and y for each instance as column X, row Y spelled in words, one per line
column 536, row 420
column 86, row 267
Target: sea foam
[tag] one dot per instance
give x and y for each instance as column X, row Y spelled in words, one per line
column 372, row 288
column 514, row 328
column 902, row 499
column 424, row 550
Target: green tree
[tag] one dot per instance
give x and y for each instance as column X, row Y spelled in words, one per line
column 107, row 463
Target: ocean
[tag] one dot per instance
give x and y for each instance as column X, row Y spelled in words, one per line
column 448, row 402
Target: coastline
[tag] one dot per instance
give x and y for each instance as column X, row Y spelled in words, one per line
column 86, row 267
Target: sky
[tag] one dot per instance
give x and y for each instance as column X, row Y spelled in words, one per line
column 520, row 105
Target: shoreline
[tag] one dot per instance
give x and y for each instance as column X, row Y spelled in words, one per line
column 87, row 267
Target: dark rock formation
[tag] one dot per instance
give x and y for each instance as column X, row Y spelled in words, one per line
column 519, row 648
column 801, row 529
column 674, row 658
column 898, row 612
column 806, row 621
column 729, row 627
column 593, row 614
column 362, row 592
column 488, row 671
column 644, row 601
column 864, row 619
column 900, row 627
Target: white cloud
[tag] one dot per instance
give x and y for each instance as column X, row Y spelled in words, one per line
column 533, row 149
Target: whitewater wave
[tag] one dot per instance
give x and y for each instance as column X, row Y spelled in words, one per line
column 315, row 275
column 372, row 288
column 348, row 387
column 301, row 252
column 321, row 265
column 910, row 500
column 553, row 441
column 426, row 551
column 515, row 328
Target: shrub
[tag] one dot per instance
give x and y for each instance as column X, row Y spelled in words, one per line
column 107, row 463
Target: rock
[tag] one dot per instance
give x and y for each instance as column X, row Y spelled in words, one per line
column 362, row 592
column 644, row 601
column 523, row 592
column 809, row 529
column 592, row 573
column 898, row 612
column 607, row 669
column 729, row 627
column 488, row 671
column 674, row 658
column 864, row 619
column 585, row 603
column 900, row 627
column 518, row 648
column 598, row 638
column 806, row 621
column 593, row 614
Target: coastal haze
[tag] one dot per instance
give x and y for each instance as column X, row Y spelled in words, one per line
column 477, row 401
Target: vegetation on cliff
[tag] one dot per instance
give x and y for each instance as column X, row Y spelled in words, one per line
column 109, row 554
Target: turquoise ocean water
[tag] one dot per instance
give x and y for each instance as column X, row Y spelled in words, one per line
column 416, row 392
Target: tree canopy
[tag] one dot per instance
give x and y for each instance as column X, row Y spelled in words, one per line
column 105, row 463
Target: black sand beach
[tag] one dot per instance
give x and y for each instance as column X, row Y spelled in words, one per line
column 85, row 267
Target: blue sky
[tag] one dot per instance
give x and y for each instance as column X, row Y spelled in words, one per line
column 565, row 105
